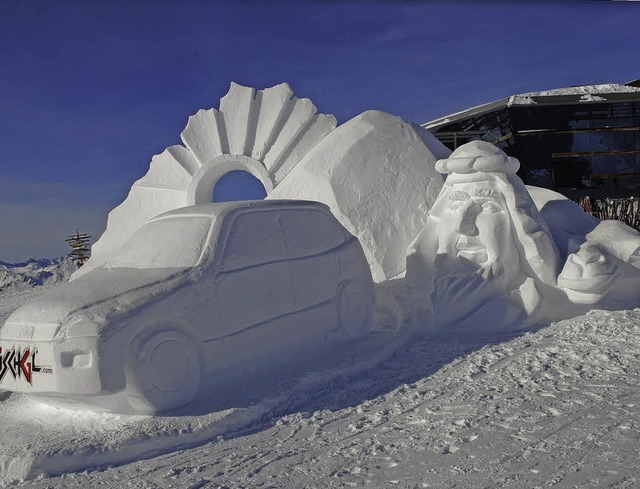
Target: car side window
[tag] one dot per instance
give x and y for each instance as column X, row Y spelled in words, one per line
column 253, row 237
column 310, row 232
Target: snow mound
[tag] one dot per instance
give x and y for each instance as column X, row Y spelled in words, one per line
column 377, row 174
column 35, row 273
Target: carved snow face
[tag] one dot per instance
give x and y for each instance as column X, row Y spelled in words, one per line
column 474, row 225
column 472, row 247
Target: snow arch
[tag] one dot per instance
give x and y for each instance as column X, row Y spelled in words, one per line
column 265, row 132
column 205, row 179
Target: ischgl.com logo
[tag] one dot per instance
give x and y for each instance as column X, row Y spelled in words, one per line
column 18, row 363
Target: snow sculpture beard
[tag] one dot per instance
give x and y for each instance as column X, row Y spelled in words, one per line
column 462, row 287
column 477, row 257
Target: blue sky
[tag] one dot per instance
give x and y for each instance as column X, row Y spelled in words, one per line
column 90, row 91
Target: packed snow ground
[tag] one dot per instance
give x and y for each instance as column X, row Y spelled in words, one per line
column 556, row 407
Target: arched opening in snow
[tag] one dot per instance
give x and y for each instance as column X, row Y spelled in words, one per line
column 249, row 180
column 238, row 185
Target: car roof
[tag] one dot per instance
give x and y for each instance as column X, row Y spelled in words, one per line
column 218, row 209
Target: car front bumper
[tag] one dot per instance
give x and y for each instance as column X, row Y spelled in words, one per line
column 67, row 367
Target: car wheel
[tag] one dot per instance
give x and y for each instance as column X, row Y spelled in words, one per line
column 355, row 305
column 162, row 372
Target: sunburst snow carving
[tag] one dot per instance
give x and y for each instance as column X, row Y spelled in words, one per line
column 265, row 132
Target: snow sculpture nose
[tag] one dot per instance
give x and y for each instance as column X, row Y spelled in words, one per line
column 466, row 220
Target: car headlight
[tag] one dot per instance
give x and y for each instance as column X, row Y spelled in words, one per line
column 79, row 329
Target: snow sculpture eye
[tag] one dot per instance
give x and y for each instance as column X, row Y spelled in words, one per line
column 456, row 206
column 491, row 207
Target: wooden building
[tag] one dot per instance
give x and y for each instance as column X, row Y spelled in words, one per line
column 578, row 140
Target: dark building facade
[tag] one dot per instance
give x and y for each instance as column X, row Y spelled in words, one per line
column 578, row 141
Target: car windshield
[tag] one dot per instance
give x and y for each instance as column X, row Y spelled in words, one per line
column 172, row 242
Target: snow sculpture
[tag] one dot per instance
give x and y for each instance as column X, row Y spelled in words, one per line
column 496, row 254
column 196, row 294
column 264, row 132
column 485, row 254
column 377, row 174
column 601, row 258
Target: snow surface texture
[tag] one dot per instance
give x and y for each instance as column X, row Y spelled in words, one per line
column 196, row 294
column 487, row 256
column 556, row 407
column 370, row 170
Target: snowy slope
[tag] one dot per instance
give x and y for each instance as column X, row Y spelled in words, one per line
column 557, row 407
column 34, row 273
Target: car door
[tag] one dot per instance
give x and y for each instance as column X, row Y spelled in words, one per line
column 312, row 237
column 253, row 282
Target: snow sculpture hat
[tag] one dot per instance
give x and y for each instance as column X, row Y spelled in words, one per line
column 478, row 156
column 480, row 160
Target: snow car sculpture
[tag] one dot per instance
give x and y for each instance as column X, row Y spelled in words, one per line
column 376, row 171
column 263, row 132
column 195, row 291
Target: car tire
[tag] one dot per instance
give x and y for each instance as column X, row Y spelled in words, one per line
column 162, row 372
column 355, row 305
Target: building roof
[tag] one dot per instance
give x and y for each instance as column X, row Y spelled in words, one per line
column 561, row 96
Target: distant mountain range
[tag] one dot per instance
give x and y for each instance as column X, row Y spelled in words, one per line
column 34, row 273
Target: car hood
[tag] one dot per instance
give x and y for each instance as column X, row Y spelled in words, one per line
column 95, row 296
